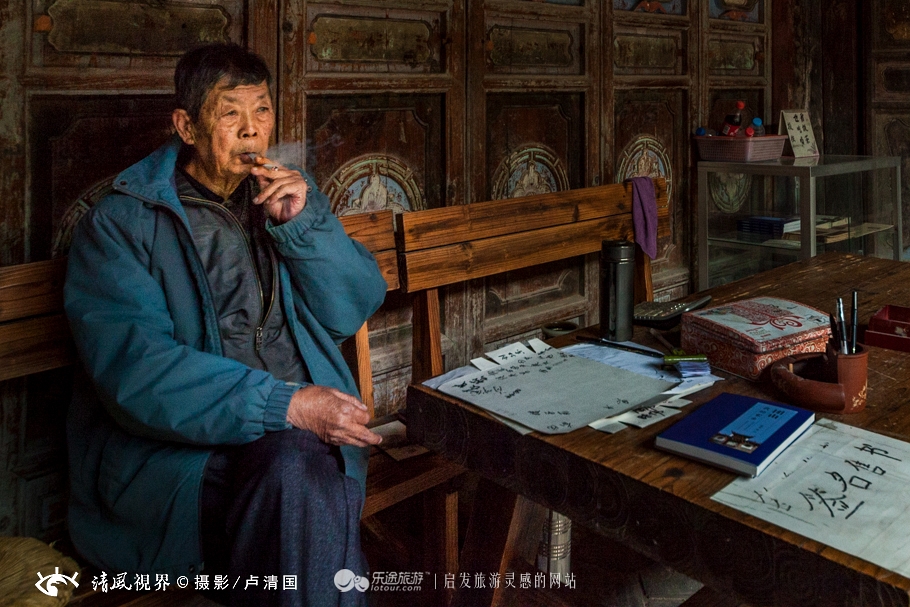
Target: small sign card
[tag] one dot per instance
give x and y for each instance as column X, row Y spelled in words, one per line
column 796, row 125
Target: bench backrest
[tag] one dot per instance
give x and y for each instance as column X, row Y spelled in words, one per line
column 35, row 337
column 439, row 247
column 375, row 231
column 34, row 334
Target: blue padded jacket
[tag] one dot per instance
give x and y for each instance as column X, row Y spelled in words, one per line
column 158, row 395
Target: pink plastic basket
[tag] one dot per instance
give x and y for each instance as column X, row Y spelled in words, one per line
column 740, row 149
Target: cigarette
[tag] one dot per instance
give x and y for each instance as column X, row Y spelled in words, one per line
column 252, row 156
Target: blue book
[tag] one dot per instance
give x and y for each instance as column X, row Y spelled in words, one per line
column 738, row 433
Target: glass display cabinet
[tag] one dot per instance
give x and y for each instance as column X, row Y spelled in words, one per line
column 754, row 216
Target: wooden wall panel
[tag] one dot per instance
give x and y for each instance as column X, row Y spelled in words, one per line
column 890, row 132
column 533, row 115
column 887, row 99
column 85, row 90
column 349, row 39
column 372, row 103
column 516, row 46
column 649, row 142
column 80, row 142
column 534, row 142
column 393, row 143
column 638, row 50
column 103, row 44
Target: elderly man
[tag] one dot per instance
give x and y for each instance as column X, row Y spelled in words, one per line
column 216, row 431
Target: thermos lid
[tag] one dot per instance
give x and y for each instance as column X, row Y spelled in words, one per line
column 617, row 250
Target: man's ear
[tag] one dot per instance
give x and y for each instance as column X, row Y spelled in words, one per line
column 184, row 125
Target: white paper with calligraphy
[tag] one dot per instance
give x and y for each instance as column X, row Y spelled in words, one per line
column 795, row 124
column 554, row 392
column 843, row 486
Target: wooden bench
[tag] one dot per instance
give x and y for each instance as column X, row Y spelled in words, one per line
column 35, row 337
column 440, row 247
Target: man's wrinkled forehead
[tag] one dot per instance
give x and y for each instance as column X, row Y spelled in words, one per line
column 226, row 92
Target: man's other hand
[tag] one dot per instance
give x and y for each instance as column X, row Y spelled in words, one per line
column 282, row 191
column 335, row 417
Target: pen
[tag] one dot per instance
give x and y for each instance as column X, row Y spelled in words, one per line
column 853, row 324
column 842, row 325
column 669, row 360
column 835, row 334
column 619, row 346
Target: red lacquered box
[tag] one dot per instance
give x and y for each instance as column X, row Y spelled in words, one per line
column 890, row 328
column 745, row 337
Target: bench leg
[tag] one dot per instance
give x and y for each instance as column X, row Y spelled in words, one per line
column 440, row 541
column 485, row 542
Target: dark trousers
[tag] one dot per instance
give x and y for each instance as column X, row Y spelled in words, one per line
column 281, row 506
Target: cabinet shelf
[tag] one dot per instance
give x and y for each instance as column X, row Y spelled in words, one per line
column 743, row 208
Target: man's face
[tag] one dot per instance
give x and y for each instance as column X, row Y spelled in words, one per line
column 232, row 121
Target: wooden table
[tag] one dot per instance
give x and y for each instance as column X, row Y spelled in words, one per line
column 660, row 504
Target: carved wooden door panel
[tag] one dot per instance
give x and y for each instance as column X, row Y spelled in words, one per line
column 888, row 90
column 735, row 48
column 532, row 128
column 87, row 91
column 372, row 103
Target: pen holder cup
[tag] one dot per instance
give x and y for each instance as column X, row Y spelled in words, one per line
column 831, row 382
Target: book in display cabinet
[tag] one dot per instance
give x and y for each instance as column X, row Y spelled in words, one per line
column 755, row 216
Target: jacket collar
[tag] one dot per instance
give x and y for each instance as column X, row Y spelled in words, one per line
column 152, row 178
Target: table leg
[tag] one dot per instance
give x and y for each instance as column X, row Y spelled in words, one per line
column 485, row 542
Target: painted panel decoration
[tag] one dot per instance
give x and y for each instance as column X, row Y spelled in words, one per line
column 666, row 7
column 534, row 169
column 534, row 144
column 733, row 56
column 63, row 233
column 530, row 138
column 76, row 143
column 401, row 43
column 749, row 11
column 648, row 123
column 645, row 156
column 730, row 191
column 647, row 53
column 374, row 183
column 526, row 47
column 893, row 26
column 148, row 28
column 377, row 151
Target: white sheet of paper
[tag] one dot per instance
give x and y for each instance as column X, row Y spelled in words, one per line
column 608, row 425
column 507, row 354
column 483, row 364
column 554, row 392
column 641, row 364
column 630, row 361
column 642, row 417
column 843, row 486
column 538, row 345
column 676, row 402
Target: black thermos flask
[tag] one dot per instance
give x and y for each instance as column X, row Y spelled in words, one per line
column 617, row 274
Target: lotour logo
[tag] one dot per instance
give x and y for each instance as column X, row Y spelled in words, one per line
column 346, row 579
column 50, row 581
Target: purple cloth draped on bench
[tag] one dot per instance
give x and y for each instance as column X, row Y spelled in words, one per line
column 644, row 214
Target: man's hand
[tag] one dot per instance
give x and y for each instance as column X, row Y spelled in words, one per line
column 282, row 191
column 335, row 417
